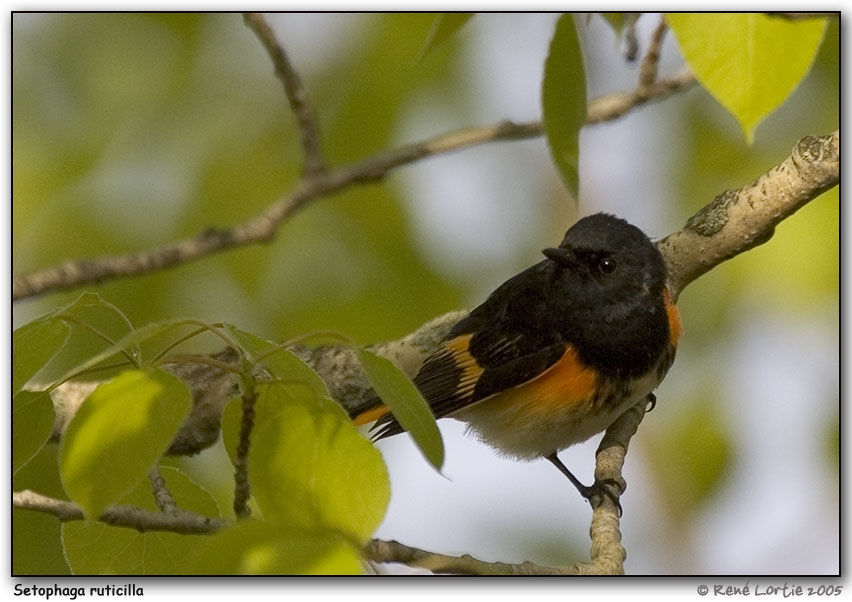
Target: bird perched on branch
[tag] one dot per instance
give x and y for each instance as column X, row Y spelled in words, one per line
column 558, row 352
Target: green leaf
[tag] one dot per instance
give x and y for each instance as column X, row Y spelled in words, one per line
column 749, row 62
column 36, row 548
column 95, row 326
column 406, row 403
column 36, row 544
column 257, row 548
column 564, row 101
column 93, row 548
column 309, row 466
column 32, row 422
column 103, row 319
column 118, row 433
column 443, row 28
column 33, row 345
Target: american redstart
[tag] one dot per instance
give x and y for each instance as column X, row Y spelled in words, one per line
column 557, row 352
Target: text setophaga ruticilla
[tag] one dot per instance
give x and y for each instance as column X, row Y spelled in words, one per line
column 559, row 351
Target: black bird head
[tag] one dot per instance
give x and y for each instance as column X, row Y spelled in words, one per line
column 609, row 251
column 606, row 294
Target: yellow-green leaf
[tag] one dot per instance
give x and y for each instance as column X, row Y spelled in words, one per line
column 564, row 101
column 257, row 548
column 95, row 325
column 32, row 422
column 33, row 345
column 406, row 403
column 749, row 62
column 36, row 545
column 119, row 432
column 94, row 548
column 309, row 466
column 102, row 319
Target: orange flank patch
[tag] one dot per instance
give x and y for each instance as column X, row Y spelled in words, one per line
column 566, row 383
column 370, row 415
column 675, row 325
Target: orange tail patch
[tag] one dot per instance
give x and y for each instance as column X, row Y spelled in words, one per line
column 370, row 415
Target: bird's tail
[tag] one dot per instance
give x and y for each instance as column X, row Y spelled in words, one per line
column 373, row 409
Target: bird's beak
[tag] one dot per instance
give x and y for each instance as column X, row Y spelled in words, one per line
column 560, row 255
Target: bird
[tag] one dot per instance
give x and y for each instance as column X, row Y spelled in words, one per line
column 556, row 353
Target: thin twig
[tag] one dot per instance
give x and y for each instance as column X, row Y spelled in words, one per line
column 120, row 516
column 242, row 489
column 613, row 106
column 262, row 228
column 297, row 95
column 162, row 496
column 631, row 42
column 651, row 61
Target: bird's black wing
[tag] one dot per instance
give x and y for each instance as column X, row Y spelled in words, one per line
column 502, row 343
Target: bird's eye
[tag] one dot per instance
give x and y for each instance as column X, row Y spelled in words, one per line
column 607, row 265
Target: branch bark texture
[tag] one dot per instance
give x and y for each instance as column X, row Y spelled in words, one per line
column 738, row 220
column 120, row 516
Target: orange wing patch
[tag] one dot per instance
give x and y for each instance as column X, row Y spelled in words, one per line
column 459, row 348
column 452, row 360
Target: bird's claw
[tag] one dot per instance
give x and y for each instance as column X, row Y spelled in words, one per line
column 606, row 488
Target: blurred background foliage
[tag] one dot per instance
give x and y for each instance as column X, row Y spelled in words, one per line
column 131, row 130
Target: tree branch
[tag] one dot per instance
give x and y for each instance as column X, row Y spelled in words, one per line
column 379, row 550
column 607, row 553
column 738, row 220
column 263, row 227
column 181, row 521
column 613, row 106
column 189, row 523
